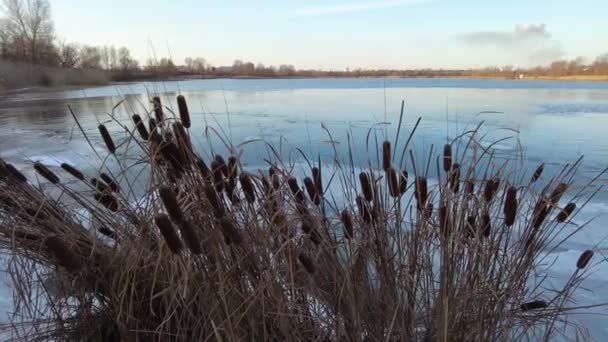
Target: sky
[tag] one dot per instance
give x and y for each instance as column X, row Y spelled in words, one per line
column 340, row 34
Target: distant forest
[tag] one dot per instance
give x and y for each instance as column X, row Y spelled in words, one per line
column 27, row 37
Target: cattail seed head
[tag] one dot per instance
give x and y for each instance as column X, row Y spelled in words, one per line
column 141, row 128
column 307, row 263
column 469, row 186
column 184, row 113
column 214, row 201
column 72, row 171
column 490, row 189
column 203, row 168
column 471, row 226
column 247, row 186
column 107, row 200
column 537, row 173
column 222, row 165
column 510, row 208
column 230, row 232
column 167, row 196
column 107, row 232
column 386, row 155
column 421, row 190
column 183, row 140
column 168, row 232
column 311, row 189
column 539, row 213
column 309, row 227
column 62, row 253
column 110, row 181
column 46, row 173
column 533, row 305
column 347, row 221
column 584, row 259
column 232, row 175
column 190, row 238
column 366, row 186
column 557, row 193
column 218, row 177
column 403, row 182
column 444, row 222
column 447, row 157
column 100, row 185
column 455, row 178
column 16, row 174
column 152, row 124
column 566, row 212
column 317, row 179
column 295, row 190
column 107, row 138
column 486, row 224
column 364, row 211
column 158, row 110
column 393, row 184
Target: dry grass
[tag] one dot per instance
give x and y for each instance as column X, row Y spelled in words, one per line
column 223, row 253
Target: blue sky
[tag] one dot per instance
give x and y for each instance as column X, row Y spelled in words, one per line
column 336, row 34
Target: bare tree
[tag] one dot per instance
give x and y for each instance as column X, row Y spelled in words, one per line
column 90, row 57
column 125, row 61
column 68, row 55
column 31, row 26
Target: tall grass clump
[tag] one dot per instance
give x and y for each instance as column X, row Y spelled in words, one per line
column 214, row 250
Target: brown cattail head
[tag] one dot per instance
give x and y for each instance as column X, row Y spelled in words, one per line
column 72, row 171
column 295, row 190
column 309, row 226
column 167, row 195
column 158, row 110
column 447, row 157
column 184, row 113
column 107, row 232
column 455, row 178
column 107, row 138
column 190, row 237
column 152, row 124
column 421, row 190
column 311, row 189
column 510, row 208
column 533, row 305
column 566, row 212
column 107, row 200
column 469, row 186
column 110, row 181
column 537, row 173
column 444, row 222
column 218, row 176
column 183, row 140
column 222, row 165
column 393, row 183
column 403, row 182
column 347, row 221
column 214, row 201
column 557, row 193
column 46, row 173
column 15, row 174
column 100, row 185
column 364, row 211
column 203, row 168
column 231, row 234
column 539, row 214
column 471, row 226
column 247, row 186
column 584, row 259
column 490, row 189
column 231, row 176
column 317, row 179
column 168, row 232
column 486, row 224
column 141, row 128
column 386, row 155
column 366, row 186
column 62, row 253
column 305, row 260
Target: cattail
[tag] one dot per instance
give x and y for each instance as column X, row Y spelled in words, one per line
column 447, row 157
column 248, row 187
column 510, row 208
column 455, row 178
column 471, row 227
column 557, row 193
column 309, row 227
column 62, row 253
column 218, row 177
column 421, row 190
column 533, row 305
column 46, row 173
column 366, row 186
column 469, row 186
column 231, row 177
column 584, row 259
column 386, row 155
column 190, row 237
column 444, row 224
column 158, row 110
column 537, row 173
column 490, row 189
column 107, row 232
column 167, row 195
column 295, row 189
column 393, row 184
column 307, row 263
column 184, row 113
column 72, row 171
column 316, row 177
column 428, row 212
column 107, row 200
column 311, row 189
column 539, row 214
column 168, row 232
column 567, row 211
column 214, row 200
column 100, row 186
column 16, row 174
column 403, row 182
column 203, row 168
column 141, row 128
column 364, row 211
column 231, row 234
column 183, row 139
column 222, row 165
column 152, row 124
column 113, row 185
column 486, row 224
column 347, row 221
column 107, row 139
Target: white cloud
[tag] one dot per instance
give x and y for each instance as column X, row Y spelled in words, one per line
column 352, row 7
